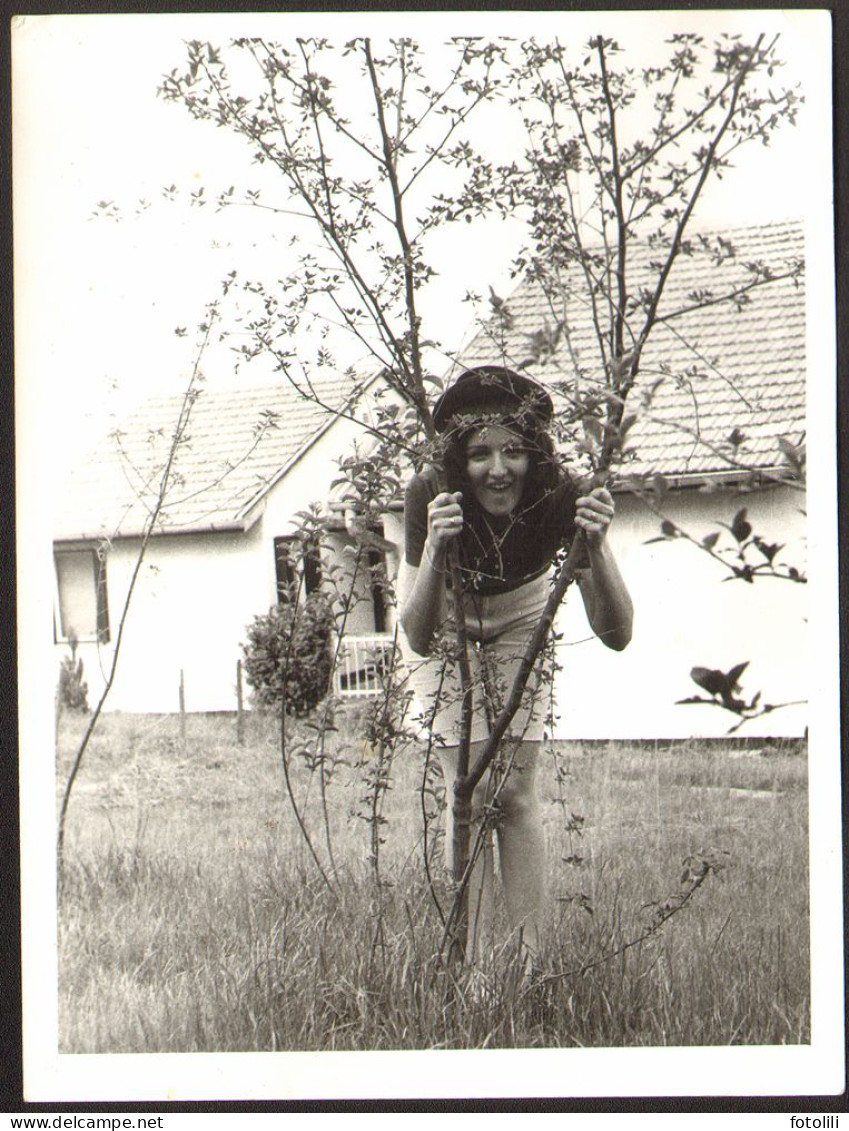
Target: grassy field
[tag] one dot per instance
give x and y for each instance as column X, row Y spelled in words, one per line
column 194, row 917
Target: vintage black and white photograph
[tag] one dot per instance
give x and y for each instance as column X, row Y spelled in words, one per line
column 426, row 496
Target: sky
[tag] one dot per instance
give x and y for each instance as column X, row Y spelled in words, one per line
column 97, row 302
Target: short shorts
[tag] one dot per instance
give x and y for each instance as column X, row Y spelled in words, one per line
column 499, row 627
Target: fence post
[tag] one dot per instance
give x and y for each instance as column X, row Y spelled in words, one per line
column 240, row 707
column 182, row 707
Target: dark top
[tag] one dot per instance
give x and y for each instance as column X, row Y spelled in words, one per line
column 496, row 554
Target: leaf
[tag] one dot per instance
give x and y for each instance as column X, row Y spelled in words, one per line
column 734, row 674
column 712, row 680
column 668, row 529
column 710, row 540
column 768, row 549
column 740, row 528
column 794, row 455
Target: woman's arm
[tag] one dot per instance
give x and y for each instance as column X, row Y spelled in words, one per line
column 421, row 594
column 605, row 595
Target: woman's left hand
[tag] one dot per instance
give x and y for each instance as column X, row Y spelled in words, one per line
column 594, row 513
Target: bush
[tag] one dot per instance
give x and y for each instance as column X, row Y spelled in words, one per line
column 288, row 656
column 73, row 691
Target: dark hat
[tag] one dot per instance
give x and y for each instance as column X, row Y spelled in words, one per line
column 491, row 388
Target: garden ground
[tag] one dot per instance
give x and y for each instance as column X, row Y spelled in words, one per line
column 194, row 916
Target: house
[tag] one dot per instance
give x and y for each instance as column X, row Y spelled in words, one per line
column 721, row 385
column 221, row 553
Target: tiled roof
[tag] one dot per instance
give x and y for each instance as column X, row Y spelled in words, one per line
column 237, row 443
column 722, row 368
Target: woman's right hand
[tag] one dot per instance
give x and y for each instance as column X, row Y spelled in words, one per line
column 444, row 521
column 422, row 601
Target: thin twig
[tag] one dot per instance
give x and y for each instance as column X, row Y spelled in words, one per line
column 179, row 430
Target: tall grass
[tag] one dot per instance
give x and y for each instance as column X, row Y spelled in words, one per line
column 193, row 918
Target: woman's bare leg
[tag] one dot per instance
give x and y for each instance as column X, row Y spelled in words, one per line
column 521, row 845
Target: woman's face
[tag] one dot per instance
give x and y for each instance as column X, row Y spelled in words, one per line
column 497, row 467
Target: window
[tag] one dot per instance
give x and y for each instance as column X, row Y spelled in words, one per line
column 286, row 567
column 312, row 567
column 377, row 576
column 82, row 609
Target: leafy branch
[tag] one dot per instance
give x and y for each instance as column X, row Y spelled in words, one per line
column 736, row 557
column 370, row 266
column 698, row 868
column 722, row 687
column 596, row 99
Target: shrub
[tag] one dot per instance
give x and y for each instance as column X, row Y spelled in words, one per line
column 73, row 691
column 288, row 657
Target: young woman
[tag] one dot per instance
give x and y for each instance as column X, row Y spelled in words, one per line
column 511, row 508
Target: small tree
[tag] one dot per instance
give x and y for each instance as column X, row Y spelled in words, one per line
column 617, row 155
column 73, row 690
column 359, row 182
column 288, row 658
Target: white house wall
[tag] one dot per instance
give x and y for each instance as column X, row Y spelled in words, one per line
column 197, row 594
column 194, row 597
column 353, row 583
column 686, row 615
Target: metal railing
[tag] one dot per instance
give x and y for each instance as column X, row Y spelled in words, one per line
column 362, row 663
